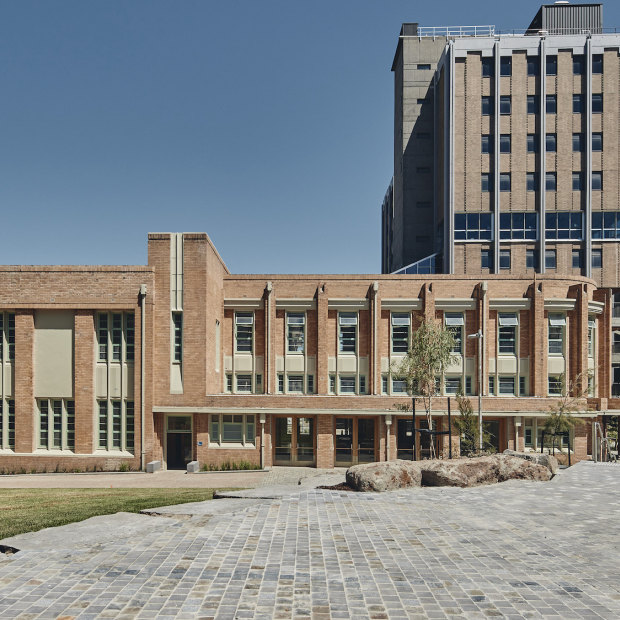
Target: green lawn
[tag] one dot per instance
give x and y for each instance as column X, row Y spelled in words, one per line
column 29, row 510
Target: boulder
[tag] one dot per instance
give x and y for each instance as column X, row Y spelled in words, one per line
column 549, row 461
column 481, row 470
column 385, row 476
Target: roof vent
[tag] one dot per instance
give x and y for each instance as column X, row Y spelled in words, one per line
column 562, row 2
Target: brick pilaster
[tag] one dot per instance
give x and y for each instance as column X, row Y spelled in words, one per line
column 538, row 358
column 322, row 346
column 84, row 380
column 24, row 381
column 325, row 449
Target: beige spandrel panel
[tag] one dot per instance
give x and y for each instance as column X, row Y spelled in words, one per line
column 115, row 381
column 8, row 380
column 556, row 365
column 507, row 365
column 53, row 353
column 101, row 381
column 128, row 381
column 311, row 364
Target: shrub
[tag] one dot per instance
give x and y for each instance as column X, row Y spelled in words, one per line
column 123, row 467
column 242, row 465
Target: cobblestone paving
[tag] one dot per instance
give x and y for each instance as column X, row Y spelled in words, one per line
column 514, row 550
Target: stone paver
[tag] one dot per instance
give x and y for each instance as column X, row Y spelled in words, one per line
column 514, row 550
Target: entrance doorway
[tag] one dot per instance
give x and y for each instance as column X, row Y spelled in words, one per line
column 295, row 439
column 494, row 428
column 404, row 439
column 355, row 441
column 178, row 441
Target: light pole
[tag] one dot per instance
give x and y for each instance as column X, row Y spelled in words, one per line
column 480, row 337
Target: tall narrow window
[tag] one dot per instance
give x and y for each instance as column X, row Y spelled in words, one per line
column 530, row 181
column 487, row 106
column 129, row 336
column 532, row 104
column 551, row 142
column 597, row 259
column 577, row 104
column 487, row 144
column 505, row 66
column 597, row 103
column 550, row 259
column 401, row 323
column 533, row 66
column 531, row 261
column 578, row 143
column 578, row 64
column 56, row 424
column 505, row 104
column 577, row 181
column 454, row 324
column 7, row 423
column 347, row 336
column 103, row 337
column 552, row 65
column 117, row 336
column 504, row 259
column 557, row 323
column 177, row 341
column 504, row 182
column 488, row 66
column 116, row 429
column 244, row 331
column 577, row 261
column 507, row 333
column 485, row 182
column 597, row 63
column 296, row 322
column 597, row 141
column 591, row 328
column 551, row 104
column 504, row 143
column 550, row 181
column 485, row 259
column 532, row 143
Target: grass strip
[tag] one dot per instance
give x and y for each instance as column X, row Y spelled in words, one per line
column 30, row 510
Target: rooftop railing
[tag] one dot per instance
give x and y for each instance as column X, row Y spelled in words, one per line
column 456, row 32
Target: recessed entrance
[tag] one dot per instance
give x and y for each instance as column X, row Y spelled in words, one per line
column 404, row 439
column 295, row 441
column 178, row 441
column 355, row 441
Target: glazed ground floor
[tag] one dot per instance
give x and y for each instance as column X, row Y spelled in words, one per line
column 336, row 439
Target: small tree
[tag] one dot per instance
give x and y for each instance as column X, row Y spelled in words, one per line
column 429, row 354
column 561, row 412
column 467, row 426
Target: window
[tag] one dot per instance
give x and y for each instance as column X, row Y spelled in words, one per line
column 454, row 323
column 551, row 142
column 296, row 322
column 258, row 380
column 310, row 384
column 116, row 425
column 577, row 261
column 597, row 259
column 561, row 225
column 485, row 258
column 56, row 424
column 606, row 225
column 532, row 66
column 491, row 385
column 597, row 141
column 487, row 143
column 522, row 386
column 399, row 386
column 507, row 333
column 552, row 65
column 362, row 389
column 557, row 323
column 468, row 386
column 332, row 384
column 347, row 385
column 550, row 259
column 577, row 181
column 507, row 386
column 504, row 143
column 488, row 65
column 530, row 181
column 244, row 324
column 177, row 336
column 532, row 143
column 505, row 66
column 229, row 382
column 384, row 384
column 504, row 182
column 505, row 104
column 485, row 182
column 424, row 67
column 295, row 383
column 531, row 259
column 244, row 383
column 517, row 226
column 597, row 181
column 347, row 336
column 597, row 103
column 452, row 385
column 532, row 104
column 578, row 143
column 280, row 383
column 7, row 333
column 235, row 428
column 551, row 105
column 401, row 323
column 115, row 334
column 527, row 437
column 555, row 385
column 591, row 328
column 577, row 104
column 550, row 181
column 473, row 226
column 597, row 63
column 504, row 259
column 578, row 64
column 7, row 421
column 487, row 106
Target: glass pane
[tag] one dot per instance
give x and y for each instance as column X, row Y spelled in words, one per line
column 284, row 438
column 181, row 423
column 366, row 440
column 305, row 439
column 344, row 439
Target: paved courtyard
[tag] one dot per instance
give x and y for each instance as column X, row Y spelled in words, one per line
column 515, row 550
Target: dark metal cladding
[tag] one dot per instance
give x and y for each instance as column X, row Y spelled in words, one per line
column 568, row 19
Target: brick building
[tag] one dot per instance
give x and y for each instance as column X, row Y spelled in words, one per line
column 181, row 360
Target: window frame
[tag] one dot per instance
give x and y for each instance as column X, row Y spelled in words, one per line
column 605, row 225
column 107, row 411
column 400, row 332
column 513, row 229
column 348, row 337
column 244, row 325
column 295, row 333
column 505, row 105
column 454, row 322
column 217, row 421
column 505, row 260
column 564, row 225
column 551, row 104
column 556, row 344
column 7, row 421
column 473, row 226
column 507, row 333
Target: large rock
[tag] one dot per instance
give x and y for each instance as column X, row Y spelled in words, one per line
column 549, row 461
column 385, row 476
column 481, row 470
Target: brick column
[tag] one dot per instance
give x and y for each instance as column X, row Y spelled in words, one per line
column 603, row 359
column 578, row 349
column 374, row 361
column 325, row 454
column 322, row 380
column 84, row 379
column 428, row 302
column 25, row 426
column 538, row 357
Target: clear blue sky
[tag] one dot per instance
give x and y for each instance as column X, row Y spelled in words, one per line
column 265, row 123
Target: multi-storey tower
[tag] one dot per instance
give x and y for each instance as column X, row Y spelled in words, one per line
column 506, row 149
